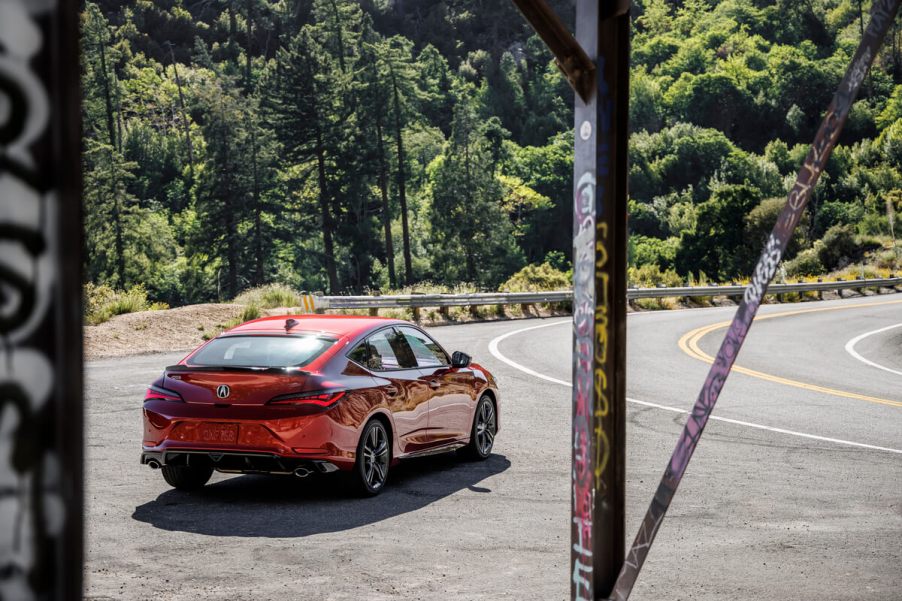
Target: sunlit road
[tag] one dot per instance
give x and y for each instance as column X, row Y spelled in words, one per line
column 794, row 493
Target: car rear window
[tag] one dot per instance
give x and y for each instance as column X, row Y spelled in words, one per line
column 261, row 351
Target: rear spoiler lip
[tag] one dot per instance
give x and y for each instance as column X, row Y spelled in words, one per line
column 241, row 368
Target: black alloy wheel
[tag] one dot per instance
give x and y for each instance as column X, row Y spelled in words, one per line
column 485, row 425
column 373, row 458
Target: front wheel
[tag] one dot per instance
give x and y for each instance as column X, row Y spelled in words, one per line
column 187, row 477
column 373, row 459
column 482, row 435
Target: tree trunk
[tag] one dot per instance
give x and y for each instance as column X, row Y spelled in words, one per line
column 331, row 271
column 107, row 94
column 402, row 183
column 233, row 32
column 117, row 224
column 339, row 37
column 231, row 252
column 258, row 222
column 230, row 225
column 184, row 118
column 247, row 61
column 386, row 214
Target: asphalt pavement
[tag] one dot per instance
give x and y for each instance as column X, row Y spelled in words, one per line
column 794, row 493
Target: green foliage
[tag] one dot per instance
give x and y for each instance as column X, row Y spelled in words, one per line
column 760, row 221
column 101, row 303
column 892, row 110
column 344, row 146
column 836, row 213
column 472, row 238
column 645, row 250
column 842, row 246
column 652, row 276
column 538, row 278
column 710, row 100
column 719, row 245
column 806, row 263
column 675, row 159
column 271, row 296
column 249, row 313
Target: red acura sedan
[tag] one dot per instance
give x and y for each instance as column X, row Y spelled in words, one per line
column 310, row 394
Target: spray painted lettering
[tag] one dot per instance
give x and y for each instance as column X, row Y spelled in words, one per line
column 583, row 313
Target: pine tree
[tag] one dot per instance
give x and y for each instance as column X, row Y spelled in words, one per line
column 302, row 108
column 473, row 236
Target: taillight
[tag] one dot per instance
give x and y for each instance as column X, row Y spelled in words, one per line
column 155, row 393
column 318, row 399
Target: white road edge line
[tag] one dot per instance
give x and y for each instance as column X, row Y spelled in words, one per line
column 850, row 348
column 493, row 349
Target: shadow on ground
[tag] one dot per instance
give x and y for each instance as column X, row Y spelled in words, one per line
column 284, row 506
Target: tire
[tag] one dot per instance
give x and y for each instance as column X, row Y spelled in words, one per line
column 187, row 477
column 482, row 433
column 373, row 459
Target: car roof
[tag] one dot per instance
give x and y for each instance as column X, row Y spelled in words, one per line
column 339, row 325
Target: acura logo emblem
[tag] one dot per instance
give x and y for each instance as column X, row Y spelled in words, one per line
column 223, row 391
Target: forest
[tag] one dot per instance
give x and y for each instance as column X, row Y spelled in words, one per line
column 364, row 146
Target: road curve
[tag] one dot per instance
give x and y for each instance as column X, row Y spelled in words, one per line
column 793, row 493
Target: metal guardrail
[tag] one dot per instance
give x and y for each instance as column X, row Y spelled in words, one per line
column 475, row 299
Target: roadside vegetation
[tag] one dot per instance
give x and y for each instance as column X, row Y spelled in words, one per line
column 101, row 303
column 356, row 147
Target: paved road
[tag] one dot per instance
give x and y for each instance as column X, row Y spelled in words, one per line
column 762, row 514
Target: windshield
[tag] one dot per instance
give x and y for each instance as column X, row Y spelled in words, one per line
column 261, row 351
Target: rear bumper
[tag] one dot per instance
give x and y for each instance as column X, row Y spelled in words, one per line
column 237, row 461
column 277, row 435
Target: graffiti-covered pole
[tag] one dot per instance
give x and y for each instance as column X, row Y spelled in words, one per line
column 599, row 305
column 40, row 302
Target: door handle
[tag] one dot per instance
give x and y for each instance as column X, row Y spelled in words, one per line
column 434, row 384
column 390, row 390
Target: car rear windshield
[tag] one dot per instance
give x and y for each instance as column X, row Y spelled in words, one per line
column 261, row 351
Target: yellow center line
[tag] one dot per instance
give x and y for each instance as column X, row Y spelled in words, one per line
column 689, row 344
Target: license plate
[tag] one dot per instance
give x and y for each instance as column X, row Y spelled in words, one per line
column 218, row 433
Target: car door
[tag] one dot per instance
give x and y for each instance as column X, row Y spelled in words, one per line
column 388, row 358
column 453, row 398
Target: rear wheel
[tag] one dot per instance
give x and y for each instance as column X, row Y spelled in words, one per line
column 373, row 458
column 482, row 435
column 187, row 477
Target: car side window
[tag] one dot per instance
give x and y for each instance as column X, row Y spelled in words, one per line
column 380, row 355
column 360, row 354
column 403, row 352
column 427, row 352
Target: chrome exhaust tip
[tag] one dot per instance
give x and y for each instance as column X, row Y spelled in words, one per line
column 302, row 472
column 154, row 464
column 325, row 467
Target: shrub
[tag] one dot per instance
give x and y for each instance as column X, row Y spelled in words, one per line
column 841, row 246
column 103, row 302
column 270, row 296
column 538, row 278
column 646, row 250
column 835, row 212
column 651, row 276
column 838, row 247
column 805, row 263
column 248, row 313
column 889, row 259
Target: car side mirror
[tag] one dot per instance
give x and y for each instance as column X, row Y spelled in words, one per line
column 459, row 359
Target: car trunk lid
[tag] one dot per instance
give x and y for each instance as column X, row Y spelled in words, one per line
column 232, row 385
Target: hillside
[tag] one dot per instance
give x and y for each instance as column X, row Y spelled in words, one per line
column 344, row 146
